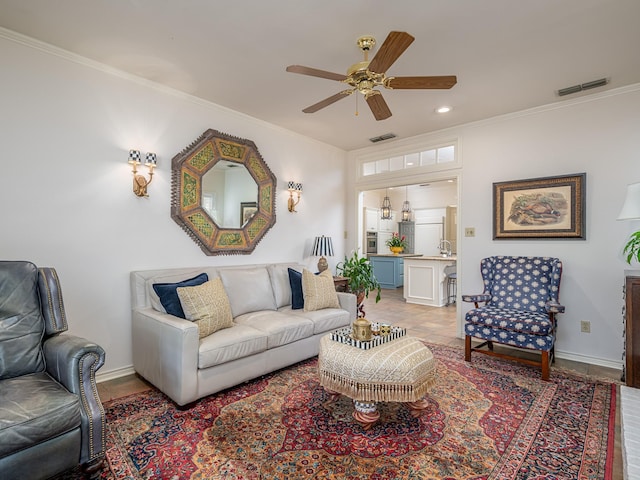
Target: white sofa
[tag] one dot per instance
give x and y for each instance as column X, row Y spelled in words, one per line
column 267, row 334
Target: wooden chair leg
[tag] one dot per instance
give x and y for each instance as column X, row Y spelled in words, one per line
column 467, row 348
column 545, row 365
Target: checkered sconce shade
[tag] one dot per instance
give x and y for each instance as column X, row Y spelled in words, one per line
column 140, row 183
column 297, row 188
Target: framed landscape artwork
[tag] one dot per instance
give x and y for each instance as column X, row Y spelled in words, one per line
column 540, row 208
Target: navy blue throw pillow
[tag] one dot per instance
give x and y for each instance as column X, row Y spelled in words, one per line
column 295, row 280
column 168, row 293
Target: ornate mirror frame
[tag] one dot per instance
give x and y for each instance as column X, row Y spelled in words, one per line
column 187, row 170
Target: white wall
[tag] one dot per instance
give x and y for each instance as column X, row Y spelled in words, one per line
column 598, row 135
column 66, row 190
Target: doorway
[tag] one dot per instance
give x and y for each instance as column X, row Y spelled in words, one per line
column 432, row 218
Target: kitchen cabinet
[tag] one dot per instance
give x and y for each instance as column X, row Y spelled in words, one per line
column 388, row 269
column 408, row 230
column 388, row 225
column 371, row 219
column 424, row 280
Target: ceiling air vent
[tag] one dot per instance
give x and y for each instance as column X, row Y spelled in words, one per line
column 386, row 136
column 585, row 86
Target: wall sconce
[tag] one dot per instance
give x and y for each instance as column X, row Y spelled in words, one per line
column 139, row 182
column 322, row 246
column 297, row 188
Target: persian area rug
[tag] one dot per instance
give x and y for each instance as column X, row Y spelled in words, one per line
column 489, row 419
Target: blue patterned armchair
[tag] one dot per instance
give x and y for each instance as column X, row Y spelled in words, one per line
column 520, row 303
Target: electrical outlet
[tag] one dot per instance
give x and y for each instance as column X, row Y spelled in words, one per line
column 470, row 232
column 585, row 326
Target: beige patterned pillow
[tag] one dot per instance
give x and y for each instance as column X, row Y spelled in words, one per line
column 318, row 291
column 207, row 306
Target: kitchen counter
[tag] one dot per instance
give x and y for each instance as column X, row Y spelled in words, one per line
column 424, row 279
column 437, row 258
column 404, row 255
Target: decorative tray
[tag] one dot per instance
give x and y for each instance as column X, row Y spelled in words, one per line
column 345, row 335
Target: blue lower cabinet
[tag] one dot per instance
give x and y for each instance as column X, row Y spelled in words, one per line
column 388, row 270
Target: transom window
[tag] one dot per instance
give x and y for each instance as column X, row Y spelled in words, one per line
column 434, row 156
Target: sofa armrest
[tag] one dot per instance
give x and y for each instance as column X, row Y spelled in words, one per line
column 165, row 352
column 348, row 302
column 73, row 362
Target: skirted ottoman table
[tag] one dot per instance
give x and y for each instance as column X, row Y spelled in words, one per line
column 398, row 370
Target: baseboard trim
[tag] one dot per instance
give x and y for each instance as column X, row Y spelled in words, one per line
column 124, row 371
column 113, row 374
column 575, row 357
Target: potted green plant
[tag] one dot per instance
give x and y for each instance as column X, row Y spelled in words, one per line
column 632, row 248
column 361, row 279
column 396, row 243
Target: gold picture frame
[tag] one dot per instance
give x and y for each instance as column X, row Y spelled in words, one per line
column 540, row 208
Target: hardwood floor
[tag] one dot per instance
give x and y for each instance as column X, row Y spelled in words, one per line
column 434, row 324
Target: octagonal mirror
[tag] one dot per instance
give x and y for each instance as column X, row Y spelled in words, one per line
column 223, row 193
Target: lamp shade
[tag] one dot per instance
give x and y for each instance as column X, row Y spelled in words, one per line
column 322, row 246
column 631, row 208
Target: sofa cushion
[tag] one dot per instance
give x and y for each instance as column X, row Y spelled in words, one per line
column 280, row 282
column 319, row 291
column 34, row 408
column 324, row 320
column 230, row 344
column 21, row 323
column 207, row 306
column 169, row 296
column 295, row 282
column 281, row 328
column 248, row 289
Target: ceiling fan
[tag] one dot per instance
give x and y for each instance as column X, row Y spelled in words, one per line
column 366, row 75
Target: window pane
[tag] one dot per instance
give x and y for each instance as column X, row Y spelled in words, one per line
column 382, row 166
column 396, row 163
column 446, row 154
column 428, row 157
column 412, row 160
column 369, row 168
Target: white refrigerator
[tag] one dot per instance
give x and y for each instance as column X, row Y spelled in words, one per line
column 427, row 238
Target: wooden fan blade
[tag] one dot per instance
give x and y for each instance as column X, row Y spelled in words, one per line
column 394, row 45
column 378, row 107
column 314, row 72
column 327, row 101
column 442, row 82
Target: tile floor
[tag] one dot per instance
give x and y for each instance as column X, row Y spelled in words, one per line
column 434, row 324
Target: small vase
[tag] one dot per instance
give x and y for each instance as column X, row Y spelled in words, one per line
column 396, row 250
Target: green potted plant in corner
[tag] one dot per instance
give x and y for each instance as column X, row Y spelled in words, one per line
column 361, row 279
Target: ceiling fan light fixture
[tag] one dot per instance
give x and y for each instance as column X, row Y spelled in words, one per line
column 366, row 75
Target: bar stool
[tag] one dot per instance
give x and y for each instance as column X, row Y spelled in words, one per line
column 451, row 282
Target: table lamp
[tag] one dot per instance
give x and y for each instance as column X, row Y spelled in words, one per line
column 321, row 247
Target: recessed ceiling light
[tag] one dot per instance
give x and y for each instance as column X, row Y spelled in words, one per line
column 443, row 109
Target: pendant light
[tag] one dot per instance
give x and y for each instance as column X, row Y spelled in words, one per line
column 386, row 207
column 406, row 207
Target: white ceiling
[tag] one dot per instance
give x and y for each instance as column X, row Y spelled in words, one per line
column 508, row 55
